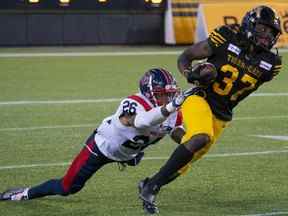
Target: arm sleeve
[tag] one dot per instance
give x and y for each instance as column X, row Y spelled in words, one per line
column 150, row 118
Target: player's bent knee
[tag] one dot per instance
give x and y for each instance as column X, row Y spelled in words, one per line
column 72, row 190
column 197, row 142
column 68, row 189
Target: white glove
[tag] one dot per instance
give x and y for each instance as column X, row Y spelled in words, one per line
column 178, row 100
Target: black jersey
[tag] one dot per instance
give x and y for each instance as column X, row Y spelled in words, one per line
column 238, row 74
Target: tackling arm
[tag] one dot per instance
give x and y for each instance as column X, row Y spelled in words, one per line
column 156, row 115
column 150, row 118
column 146, row 119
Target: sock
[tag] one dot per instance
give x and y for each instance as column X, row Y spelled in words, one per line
column 171, row 178
column 180, row 157
column 51, row 187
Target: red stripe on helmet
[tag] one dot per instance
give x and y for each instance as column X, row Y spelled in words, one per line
column 167, row 76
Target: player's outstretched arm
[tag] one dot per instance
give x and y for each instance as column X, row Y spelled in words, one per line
column 157, row 115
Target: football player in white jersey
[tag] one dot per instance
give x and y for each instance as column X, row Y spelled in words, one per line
column 141, row 119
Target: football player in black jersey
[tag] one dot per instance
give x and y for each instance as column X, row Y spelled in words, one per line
column 244, row 61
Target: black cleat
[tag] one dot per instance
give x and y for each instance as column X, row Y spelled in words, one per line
column 16, row 194
column 148, row 196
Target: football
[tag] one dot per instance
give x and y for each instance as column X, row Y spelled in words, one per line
column 208, row 71
column 205, row 71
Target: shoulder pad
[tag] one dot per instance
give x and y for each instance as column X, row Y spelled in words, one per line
column 219, row 36
column 222, row 34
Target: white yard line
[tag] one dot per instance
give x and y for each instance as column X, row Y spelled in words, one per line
column 94, row 125
column 274, row 137
column 241, row 154
column 48, row 127
column 246, row 154
column 107, row 100
column 266, row 214
column 76, row 101
column 34, row 165
column 87, row 54
column 259, row 117
column 269, row 94
column 149, row 158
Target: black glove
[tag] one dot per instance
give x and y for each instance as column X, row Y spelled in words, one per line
column 136, row 160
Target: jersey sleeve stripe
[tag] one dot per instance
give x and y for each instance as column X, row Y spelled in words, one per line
column 214, row 41
column 276, row 69
column 218, row 39
column 219, row 36
column 141, row 101
column 277, row 66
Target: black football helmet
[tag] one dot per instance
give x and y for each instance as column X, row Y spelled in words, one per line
column 156, row 84
column 266, row 16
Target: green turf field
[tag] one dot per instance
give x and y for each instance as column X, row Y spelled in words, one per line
column 45, row 115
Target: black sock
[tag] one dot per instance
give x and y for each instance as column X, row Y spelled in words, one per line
column 171, row 178
column 180, row 157
column 51, row 187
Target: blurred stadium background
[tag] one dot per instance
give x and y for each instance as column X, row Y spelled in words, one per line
column 65, row 65
column 125, row 22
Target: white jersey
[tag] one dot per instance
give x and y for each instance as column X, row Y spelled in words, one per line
column 119, row 142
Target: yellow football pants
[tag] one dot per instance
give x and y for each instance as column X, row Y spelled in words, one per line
column 199, row 119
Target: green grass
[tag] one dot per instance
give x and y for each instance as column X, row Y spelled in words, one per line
column 232, row 185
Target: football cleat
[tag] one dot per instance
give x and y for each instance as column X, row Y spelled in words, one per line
column 16, row 194
column 148, row 196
